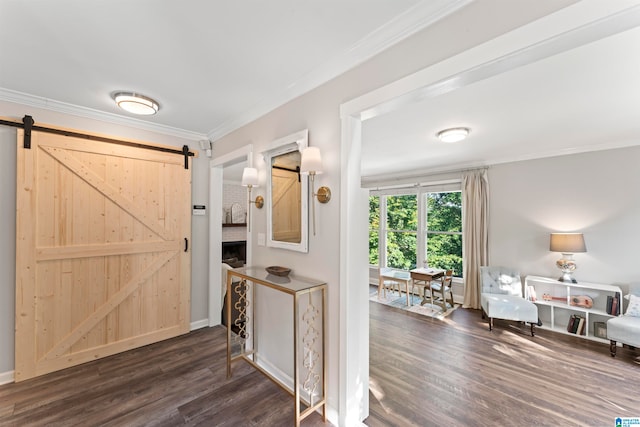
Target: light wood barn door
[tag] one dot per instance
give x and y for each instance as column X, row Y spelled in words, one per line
column 101, row 265
column 286, row 211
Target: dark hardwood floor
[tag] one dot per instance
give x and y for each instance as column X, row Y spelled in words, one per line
column 423, row 372
column 181, row 381
column 426, row 372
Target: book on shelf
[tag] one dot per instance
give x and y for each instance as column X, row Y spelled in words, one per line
column 531, row 291
column 580, row 328
column 576, row 324
column 614, row 306
column 609, row 303
column 570, row 324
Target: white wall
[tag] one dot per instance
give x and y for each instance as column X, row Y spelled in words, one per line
column 199, row 194
column 594, row 193
column 319, row 112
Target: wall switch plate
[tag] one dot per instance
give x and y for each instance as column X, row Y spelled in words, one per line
column 261, row 239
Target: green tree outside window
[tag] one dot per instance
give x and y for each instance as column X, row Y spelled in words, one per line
column 443, row 230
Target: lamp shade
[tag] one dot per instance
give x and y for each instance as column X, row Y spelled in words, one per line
column 250, row 177
column 567, row 243
column 311, row 161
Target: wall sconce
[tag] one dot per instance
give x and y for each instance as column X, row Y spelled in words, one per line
column 311, row 164
column 567, row 244
column 250, row 180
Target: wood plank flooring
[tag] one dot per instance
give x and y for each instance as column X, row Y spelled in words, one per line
column 427, row 372
column 177, row 382
column 423, row 372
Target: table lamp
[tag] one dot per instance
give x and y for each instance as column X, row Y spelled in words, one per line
column 567, row 244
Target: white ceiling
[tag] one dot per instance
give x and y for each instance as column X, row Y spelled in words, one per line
column 212, row 65
column 578, row 92
column 216, row 65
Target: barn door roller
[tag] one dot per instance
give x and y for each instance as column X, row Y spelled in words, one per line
column 28, row 124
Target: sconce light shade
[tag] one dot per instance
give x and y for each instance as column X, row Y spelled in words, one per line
column 567, row 244
column 250, row 180
column 311, row 162
column 136, row 103
column 250, row 177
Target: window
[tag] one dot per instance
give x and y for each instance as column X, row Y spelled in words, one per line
column 401, row 231
column 420, row 227
column 374, row 229
column 443, row 231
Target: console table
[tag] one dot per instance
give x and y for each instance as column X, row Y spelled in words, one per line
column 308, row 298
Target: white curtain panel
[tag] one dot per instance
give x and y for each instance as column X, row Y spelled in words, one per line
column 475, row 209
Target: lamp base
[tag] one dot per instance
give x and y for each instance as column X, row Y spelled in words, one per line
column 567, row 265
column 567, row 278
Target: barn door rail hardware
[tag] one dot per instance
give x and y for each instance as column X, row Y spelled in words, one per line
column 28, row 124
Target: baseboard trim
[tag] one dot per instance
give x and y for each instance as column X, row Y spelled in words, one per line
column 7, row 377
column 277, row 373
column 199, row 324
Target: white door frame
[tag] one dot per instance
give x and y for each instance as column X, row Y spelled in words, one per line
column 215, row 227
column 568, row 28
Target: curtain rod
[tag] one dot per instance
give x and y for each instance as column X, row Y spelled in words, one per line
column 28, row 126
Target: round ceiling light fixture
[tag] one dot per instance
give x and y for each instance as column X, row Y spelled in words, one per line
column 136, row 103
column 453, row 134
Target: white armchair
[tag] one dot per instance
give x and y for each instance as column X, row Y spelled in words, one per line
column 626, row 329
column 501, row 297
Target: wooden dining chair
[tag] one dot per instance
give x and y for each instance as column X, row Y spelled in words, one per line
column 443, row 287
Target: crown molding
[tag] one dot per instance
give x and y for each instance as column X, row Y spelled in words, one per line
column 89, row 113
column 418, row 17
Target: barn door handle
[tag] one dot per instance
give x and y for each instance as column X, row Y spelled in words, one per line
column 186, row 244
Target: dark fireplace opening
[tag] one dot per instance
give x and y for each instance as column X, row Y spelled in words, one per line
column 234, row 254
column 237, row 250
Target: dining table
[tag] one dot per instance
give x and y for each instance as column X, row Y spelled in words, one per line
column 423, row 277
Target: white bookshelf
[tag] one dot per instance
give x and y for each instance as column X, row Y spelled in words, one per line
column 555, row 313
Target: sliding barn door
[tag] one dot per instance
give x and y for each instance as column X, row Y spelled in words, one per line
column 286, row 208
column 101, row 264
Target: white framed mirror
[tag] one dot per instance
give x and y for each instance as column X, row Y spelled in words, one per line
column 287, row 194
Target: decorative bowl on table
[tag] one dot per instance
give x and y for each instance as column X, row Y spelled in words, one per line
column 278, row 271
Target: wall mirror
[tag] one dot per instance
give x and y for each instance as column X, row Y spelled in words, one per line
column 287, row 194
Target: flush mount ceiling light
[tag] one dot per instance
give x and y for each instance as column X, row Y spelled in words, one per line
column 136, row 103
column 453, row 134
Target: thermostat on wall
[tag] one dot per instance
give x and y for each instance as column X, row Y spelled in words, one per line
column 199, row 210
